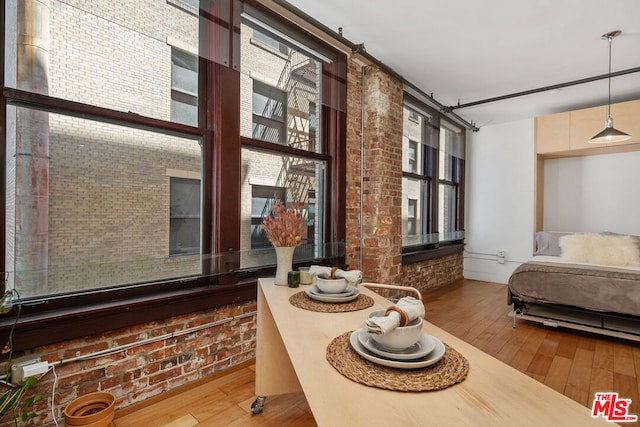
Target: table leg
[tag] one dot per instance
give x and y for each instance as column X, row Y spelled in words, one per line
column 274, row 371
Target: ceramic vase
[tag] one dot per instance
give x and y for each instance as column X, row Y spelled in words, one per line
column 284, row 263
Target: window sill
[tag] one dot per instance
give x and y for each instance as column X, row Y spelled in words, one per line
column 417, row 254
column 37, row 326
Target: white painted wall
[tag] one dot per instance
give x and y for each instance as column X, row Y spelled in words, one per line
column 499, row 199
column 594, row 193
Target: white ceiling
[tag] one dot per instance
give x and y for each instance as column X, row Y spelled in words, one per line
column 465, row 50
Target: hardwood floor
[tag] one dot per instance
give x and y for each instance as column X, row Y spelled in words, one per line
column 573, row 363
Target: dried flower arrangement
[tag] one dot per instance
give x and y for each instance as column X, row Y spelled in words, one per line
column 284, row 226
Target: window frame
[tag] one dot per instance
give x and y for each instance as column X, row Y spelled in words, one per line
column 64, row 317
column 427, row 172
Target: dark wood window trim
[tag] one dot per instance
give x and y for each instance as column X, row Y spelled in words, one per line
column 417, row 253
column 62, row 317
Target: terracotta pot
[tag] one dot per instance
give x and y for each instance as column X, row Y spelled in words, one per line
column 91, row 410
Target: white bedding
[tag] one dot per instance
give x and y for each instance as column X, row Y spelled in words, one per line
column 559, row 260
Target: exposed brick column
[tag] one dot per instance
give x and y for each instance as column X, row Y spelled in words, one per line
column 354, row 131
column 382, row 178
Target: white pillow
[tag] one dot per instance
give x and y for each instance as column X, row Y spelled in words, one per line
column 600, row 249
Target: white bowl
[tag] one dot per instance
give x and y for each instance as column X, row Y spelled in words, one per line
column 331, row 286
column 401, row 337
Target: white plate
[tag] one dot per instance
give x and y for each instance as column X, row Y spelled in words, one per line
column 425, row 345
column 326, row 298
column 425, row 361
column 346, row 293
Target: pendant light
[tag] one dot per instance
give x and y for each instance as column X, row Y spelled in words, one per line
column 609, row 134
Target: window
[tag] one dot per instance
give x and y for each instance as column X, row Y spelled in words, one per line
column 432, row 178
column 108, row 204
column 412, row 156
column 412, row 216
column 184, row 87
column 285, row 90
column 451, row 167
column 117, row 189
column 298, row 181
column 271, row 42
column 283, row 150
column 184, row 223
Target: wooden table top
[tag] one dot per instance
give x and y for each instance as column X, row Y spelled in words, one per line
column 493, row 394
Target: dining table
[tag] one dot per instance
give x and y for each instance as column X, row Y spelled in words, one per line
column 312, row 350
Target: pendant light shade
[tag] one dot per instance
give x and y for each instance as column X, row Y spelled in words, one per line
column 609, row 134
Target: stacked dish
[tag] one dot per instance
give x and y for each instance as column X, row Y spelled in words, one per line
column 404, row 347
column 348, row 294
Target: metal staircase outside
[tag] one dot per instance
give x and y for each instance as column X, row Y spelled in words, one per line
column 298, row 79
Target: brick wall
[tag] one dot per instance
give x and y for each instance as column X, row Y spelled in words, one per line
column 378, row 181
column 354, row 152
column 146, row 370
column 382, row 177
column 433, row 273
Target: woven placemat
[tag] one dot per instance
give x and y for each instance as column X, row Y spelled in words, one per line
column 450, row 370
column 302, row 300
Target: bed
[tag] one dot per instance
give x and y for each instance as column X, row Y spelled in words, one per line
column 584, row 281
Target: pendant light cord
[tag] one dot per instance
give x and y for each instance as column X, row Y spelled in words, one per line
column 609, row 38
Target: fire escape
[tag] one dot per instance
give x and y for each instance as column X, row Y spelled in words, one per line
column 298, row 80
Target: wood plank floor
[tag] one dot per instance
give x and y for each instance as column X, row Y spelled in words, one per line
column 573, row 363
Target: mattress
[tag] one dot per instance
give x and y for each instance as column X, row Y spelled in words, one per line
column 587, row 286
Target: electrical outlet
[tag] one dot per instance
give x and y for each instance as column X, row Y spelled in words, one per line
column 27, row 368
column 501, row 256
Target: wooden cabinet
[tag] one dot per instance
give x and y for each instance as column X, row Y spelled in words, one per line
column 584, row 125
column 568, row 133
column 552, row 133
column 626, row 118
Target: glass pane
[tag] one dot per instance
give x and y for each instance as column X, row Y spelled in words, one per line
column 416, row 133
column 184, row 212
column 451, row 149
column 94, row 53
column 447, row 208
column 280, row 87
column 412, row 209
column 90, row 205
column 184, row 70
column 298, row 182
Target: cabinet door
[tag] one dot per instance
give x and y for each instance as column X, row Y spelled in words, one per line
column 585, row 124
column 552, row 133
column 626, row 118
